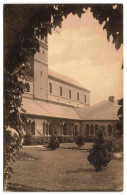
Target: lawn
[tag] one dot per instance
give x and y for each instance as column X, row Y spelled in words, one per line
column 64, row 169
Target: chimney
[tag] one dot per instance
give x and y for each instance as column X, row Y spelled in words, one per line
column 111, row 99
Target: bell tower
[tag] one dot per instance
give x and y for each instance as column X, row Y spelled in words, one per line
column 40, row 84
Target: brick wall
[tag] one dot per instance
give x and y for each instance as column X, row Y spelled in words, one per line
column 55, row 96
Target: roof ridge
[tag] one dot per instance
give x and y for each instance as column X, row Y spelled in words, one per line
column 64, row 78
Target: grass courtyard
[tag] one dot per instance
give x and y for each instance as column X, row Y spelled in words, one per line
column 64, row 169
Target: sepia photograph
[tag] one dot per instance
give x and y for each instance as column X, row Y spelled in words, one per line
column 63, row 97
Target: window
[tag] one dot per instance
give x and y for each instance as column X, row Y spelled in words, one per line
column 60, row 91
column 50, row 88
column 91, row 130
column 70, row 94
column 87, row 129
column 77, row 96
column 85, row 98
column 41, row 73
column 43, row 51
column 33, row 127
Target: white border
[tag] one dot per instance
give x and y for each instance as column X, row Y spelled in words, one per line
column 2, row 2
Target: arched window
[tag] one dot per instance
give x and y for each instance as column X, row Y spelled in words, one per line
column 29, row 125
column 65, row 129
column 76, row 129
column 91, row 130
column 27, row 87
column 50, row 88
column 85, row 98
column 60, row 91
column 70, row 94
column 87, row 129
column 77, row 96
column 33, row 127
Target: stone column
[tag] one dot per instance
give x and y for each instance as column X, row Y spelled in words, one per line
column 44, row 128
column 48, row 128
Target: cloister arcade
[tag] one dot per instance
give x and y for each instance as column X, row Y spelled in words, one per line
column 61, row 127
column 50, row 127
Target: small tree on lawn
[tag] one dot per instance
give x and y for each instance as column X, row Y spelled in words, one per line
column 100, row 154
column 79, row 140
column 54, row 143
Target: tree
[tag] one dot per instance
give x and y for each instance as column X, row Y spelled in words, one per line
column 100, row 154
column 79, row 140
column 54, row 143
column 23, row 25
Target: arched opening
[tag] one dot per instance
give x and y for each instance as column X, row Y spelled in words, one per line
column 50, row 88
column 109, row 130
column 46, row 128
column 70, row 94
column 27, row 87
column 29, row 125
column 91, row 130
column 85, row 98
column 33, row 127
column 117, row 126
column 65, row 129
column 87, row 129
column 76, row 129
column 60, row 91
column 77, row 96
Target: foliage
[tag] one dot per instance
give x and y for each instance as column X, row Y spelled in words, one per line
column 11, row 148
column 79, row 140
column 120, row 114
column 54, row 143
column 117, row 143
column 30, row 139
column 23, row 25
column 100, row 154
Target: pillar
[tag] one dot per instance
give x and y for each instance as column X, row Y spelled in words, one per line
column 48, row 128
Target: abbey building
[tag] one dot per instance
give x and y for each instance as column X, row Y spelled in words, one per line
column 57, row 104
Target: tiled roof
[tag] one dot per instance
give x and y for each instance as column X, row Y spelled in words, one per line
column 105, row 110
column 39, row 108
column 65, row 78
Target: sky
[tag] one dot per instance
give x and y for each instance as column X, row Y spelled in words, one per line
column 80, row 50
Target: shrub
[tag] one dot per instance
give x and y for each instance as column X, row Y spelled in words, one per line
column 79, row 140
column 54, row 142
column 100, row 154
column 29, row 139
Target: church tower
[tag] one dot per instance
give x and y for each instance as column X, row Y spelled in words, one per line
column 40, row 82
